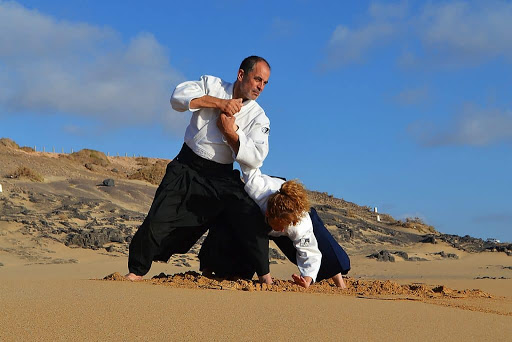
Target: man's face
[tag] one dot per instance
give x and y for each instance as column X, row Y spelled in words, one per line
column 253, row 83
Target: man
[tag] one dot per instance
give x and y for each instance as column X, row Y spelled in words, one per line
column 200, row 185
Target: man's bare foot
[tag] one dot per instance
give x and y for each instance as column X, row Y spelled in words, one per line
column 265, row 279
column 338, row 280
column 133, row 277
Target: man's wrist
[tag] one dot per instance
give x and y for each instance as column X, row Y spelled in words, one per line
column 219, row 103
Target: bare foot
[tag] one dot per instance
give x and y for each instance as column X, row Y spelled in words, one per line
column 265, row 279
column 338, row 280
column 133, row 277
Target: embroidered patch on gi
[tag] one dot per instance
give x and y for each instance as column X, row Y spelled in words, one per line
column 304, row 242
column 265, row 130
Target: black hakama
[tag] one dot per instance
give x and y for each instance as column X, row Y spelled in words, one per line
column 192, row 195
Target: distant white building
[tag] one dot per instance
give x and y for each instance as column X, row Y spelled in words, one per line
column 493, row 240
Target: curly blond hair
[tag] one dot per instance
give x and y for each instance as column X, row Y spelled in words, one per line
column 289, row 203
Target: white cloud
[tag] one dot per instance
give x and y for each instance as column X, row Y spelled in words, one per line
column 49, row 66
column 351, row 46
column 454, row 33
column 389, row 10
column 467, row 32
column 473, row 125
column 412, row 96
column 282, row 28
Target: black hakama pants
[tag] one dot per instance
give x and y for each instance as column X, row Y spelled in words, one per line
column 221, row 252
column 193, row 194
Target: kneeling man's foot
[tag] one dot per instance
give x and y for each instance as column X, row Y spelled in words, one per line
column 338, row 280
column 133, row 277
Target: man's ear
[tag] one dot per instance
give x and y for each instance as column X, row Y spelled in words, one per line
column 240, row 75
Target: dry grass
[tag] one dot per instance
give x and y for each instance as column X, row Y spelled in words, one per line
column 387, row 218
column 87, row 156
column 27, row 149
column 8, row 143
column 152, row 173
column 25, row 172
column 143, row 161
column 350, row 213
column 416, row 223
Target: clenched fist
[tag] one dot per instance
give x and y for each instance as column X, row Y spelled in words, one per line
column 230, row 107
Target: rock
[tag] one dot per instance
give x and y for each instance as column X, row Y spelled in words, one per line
column 447, row 255
column 382, row 256
column 1, row 264
column 417, row 259
column 109, row 249
column 108, row 182
column 87, row 239
column 429, row 239
column 274, row 254
column 404, row 255
column 89, row 166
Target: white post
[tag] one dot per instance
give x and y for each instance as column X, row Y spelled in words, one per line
column 0, row 187
column 375, row 210
column 378, row 218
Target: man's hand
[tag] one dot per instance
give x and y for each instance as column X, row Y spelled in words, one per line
column 230, row 107
column 227, row 124
column 265, row 279
column 228, row 127
column 302, row 281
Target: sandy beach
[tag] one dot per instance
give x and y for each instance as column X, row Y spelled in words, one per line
column 62, row 302
column 61, row 236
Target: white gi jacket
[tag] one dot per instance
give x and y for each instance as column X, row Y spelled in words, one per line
column 260, row 187
column 204, row 137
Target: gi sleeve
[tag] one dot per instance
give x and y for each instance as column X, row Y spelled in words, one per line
column 254, row 144
column 186, row 92
column 259, row 186
column 309, row 257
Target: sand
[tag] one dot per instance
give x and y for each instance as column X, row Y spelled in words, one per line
column 71, row 301
column 50, row 291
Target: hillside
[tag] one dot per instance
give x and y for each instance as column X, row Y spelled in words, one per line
column 61, row 198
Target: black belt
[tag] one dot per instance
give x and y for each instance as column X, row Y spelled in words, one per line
column 188, row 157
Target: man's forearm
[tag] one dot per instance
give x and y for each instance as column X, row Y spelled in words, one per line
column 229, row 107
column 233, row 141
column 206, row 101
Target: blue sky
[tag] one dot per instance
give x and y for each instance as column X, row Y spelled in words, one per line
column 401, row 105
